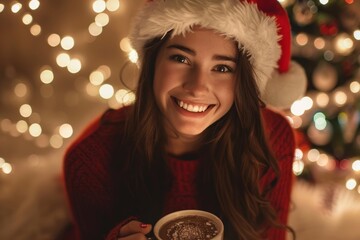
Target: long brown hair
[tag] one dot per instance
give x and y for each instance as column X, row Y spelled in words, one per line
column 239, row 153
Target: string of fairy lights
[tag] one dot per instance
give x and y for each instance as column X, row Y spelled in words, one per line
column 309, row 110
column 29, row 125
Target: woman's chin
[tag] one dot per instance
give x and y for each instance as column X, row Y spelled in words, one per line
column 190, row 132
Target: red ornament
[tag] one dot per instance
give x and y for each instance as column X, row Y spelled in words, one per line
column 301, row 140
column 329, row 28
column 349, row 1
column 347, row 67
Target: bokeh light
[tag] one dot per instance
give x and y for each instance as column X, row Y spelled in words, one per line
column 16, row 7
column 96, row 78
column 355, row 87
column 66, row 130
column 63, row 59
column 54, row 40
column 102, row 19
column 357, row 34
column 106, row 91
column 35, row 29
column 47, row 76
column 99, row 6
column 302, row 39
column 67, row 42
column 74, row 65
column 351, row 184
column 94, row 29
column 344, row 45
column 35, row 130
column 56, row 141
column 21, row 126
column 34, row 4
column 25, row 110
column 27, row 19
column 20, row 90
column 112, row 5
column 6, row 168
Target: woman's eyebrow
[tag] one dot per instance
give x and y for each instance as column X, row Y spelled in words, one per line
column 192, row 52
column 182, row 48
column 224, row 58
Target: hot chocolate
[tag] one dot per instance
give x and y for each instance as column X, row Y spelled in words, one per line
column 190, row 227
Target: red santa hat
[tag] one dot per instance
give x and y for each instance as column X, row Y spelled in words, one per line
column 261, row 28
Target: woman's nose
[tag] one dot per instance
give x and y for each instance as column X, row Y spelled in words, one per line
column 197, row 81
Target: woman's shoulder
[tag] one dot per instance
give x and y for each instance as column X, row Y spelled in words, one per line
column 101, row 134
column 275, row 120
column 88, row 165
column 116, row 115
column 278, row 130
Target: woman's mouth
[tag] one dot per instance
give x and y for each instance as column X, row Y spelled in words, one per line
column 192, row 107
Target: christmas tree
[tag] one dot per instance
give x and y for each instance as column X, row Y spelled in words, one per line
column 326, row 41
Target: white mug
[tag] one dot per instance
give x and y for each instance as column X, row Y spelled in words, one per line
column 183, row 213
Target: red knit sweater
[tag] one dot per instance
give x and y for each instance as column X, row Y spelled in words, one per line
column 97, row 200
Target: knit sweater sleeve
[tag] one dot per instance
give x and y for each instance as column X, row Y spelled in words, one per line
column 89, row 186
column 282, row 143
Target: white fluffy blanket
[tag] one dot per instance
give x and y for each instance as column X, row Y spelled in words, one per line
column 32, row 202
column 327, row 212
column 33, row 206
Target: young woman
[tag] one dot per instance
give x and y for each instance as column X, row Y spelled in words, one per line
column 199, row 135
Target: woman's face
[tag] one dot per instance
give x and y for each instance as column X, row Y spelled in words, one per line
column 194, row 80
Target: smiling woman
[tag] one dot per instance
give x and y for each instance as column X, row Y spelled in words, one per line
column 200, row 134
column 194, row 81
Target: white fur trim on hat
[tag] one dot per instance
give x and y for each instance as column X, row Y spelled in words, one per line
column 260, row 27
column 255, row 32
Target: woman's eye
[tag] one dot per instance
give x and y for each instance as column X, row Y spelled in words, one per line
column 223, row 68
column 179, row 58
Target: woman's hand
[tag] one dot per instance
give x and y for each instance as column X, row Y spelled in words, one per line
column 134, row 230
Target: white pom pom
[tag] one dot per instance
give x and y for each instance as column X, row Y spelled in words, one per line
column 283, row 89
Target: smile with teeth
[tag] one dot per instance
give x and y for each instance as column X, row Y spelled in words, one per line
column 192, row 107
